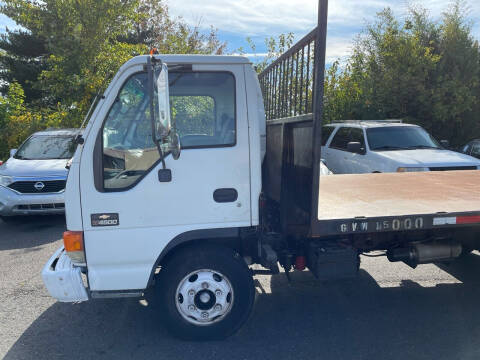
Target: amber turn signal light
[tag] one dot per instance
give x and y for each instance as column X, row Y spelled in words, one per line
column 73, row 240
column 73, row 243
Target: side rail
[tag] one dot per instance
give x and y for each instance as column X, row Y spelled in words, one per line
column 287, row 84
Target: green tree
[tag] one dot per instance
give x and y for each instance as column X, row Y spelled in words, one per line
column 22, row 59
column 456, row 98
column 16, row 122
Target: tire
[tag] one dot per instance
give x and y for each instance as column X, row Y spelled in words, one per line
column 186, row 288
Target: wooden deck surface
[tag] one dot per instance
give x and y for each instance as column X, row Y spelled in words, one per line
column 397, row 194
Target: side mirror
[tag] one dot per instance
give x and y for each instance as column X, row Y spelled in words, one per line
column 354, row 147
column 12, row 152
column 445, row 143
column 163, row 124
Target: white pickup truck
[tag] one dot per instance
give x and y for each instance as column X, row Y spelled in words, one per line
column 356, row 147
column 242, row 191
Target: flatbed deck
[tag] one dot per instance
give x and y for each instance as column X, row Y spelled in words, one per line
column 397, row 201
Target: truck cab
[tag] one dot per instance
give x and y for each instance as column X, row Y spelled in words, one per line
column 216, row 108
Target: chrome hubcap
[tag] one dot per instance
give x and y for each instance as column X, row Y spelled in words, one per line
column 204, row 297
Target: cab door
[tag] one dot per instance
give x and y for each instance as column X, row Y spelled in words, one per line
column 129, row 216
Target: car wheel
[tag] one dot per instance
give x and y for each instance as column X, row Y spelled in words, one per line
column 205, row 292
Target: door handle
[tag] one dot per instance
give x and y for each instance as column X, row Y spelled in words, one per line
column 225, row 195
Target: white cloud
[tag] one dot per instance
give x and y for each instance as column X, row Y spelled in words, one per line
column 260, row 17
column 264, row 18
column 249, row 17
column 5, row 22
column 338, row 48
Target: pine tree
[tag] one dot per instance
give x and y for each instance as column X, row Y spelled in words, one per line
column 23, row 59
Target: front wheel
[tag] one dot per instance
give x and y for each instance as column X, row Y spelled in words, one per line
column 206, row 292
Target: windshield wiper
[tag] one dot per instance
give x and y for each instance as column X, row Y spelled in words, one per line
column 388, row 147
column 421, row 147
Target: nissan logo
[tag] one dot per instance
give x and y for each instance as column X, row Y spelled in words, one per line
column 39, row 186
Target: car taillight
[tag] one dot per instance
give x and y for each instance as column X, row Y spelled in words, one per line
column 73, row 242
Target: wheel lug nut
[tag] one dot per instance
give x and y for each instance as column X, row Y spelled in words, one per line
column 191, row 293
column 204, row 315
column 218, row 307
column 218, row 292
column 191, row 307
column 205, row 285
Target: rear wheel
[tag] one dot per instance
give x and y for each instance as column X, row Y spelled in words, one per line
column 206, row 292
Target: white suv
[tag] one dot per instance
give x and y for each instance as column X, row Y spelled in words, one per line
column 387, row 146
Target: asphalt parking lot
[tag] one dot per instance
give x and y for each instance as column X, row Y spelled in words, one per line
column 389, row 312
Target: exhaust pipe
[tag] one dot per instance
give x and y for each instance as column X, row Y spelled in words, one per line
column 422, row 253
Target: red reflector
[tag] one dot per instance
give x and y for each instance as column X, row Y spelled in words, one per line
column 300, row 263
column 468, row 219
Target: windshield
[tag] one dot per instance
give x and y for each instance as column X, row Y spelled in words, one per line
column 400, row 138
column 43, row 147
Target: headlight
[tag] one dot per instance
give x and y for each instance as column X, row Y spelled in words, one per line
column 412, row 169
column 5, row 180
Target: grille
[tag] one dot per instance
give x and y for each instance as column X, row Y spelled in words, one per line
column 28, row 187
column 41, row 206
column 451, row 168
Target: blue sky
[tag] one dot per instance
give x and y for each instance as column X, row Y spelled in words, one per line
column 236, row 19
column 258, row 19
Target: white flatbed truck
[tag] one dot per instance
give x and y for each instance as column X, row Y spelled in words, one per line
column 245, row 189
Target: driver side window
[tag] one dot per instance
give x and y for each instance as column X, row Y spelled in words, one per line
column 128, row 149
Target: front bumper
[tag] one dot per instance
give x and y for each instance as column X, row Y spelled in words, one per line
column 13, row 203
column 62, row 279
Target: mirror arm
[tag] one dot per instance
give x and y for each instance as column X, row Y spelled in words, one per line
column 151, row 61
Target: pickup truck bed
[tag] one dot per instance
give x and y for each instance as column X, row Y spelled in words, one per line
column 397, row 201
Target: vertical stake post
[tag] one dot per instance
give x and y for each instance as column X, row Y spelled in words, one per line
column 319, row 64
